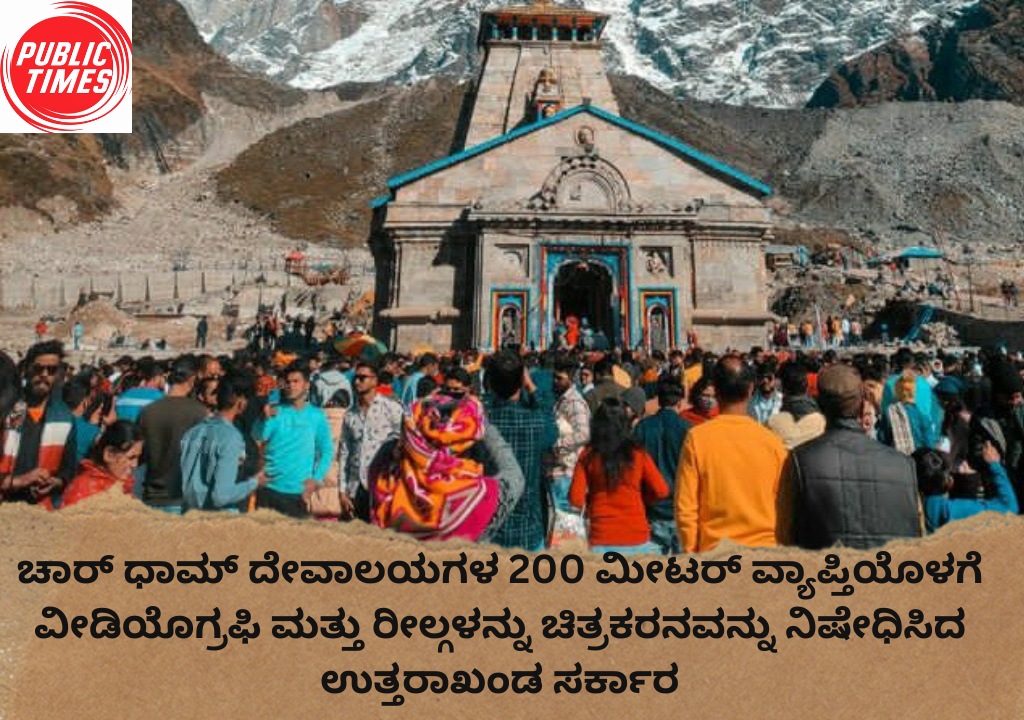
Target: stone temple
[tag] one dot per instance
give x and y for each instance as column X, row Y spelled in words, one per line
column 558, row 209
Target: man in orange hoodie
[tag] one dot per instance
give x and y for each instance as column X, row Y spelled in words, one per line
column 728, row 477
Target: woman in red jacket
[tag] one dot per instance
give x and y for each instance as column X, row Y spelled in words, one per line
column 615, row 479
column 112, row 461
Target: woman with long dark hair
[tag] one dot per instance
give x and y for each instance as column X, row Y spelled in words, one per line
column 615, row 479
column 112, row 461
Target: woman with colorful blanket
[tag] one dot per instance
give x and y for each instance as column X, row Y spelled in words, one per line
column 433, row 482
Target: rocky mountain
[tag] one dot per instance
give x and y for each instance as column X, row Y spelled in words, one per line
column 980, row 56
column 173, row 68
column 888, row 175
column 761, row 52
column 65, row 178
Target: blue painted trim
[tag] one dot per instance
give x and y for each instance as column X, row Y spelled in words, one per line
column 430, row 168
column 683, row 148
column 381, row 201
column 700, row 158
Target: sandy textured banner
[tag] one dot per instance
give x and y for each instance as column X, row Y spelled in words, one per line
column 977, row 675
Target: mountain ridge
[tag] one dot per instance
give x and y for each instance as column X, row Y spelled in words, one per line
column 762, row 52
column 978, row 57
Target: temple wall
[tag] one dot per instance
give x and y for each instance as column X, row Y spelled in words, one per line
column 516, row 170
column 719, row 337
column 729, row 274
column 507, row 262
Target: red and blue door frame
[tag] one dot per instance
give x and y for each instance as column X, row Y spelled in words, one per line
column 615, row 258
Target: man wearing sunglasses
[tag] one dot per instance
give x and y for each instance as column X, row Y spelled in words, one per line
column 372, row 421
column 37, row 442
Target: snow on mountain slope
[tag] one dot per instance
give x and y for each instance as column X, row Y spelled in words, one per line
column 760, row 52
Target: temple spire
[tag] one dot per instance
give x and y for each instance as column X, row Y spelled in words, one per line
column 541, row 57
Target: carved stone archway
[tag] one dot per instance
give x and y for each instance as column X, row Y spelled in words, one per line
column 583, row 183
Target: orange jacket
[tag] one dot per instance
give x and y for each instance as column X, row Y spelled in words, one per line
column 728, row 483
column 619, row 516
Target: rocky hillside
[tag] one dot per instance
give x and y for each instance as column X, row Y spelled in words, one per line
column 888, row 175
column 174, row 67
column 895, row 173
column 64, row 178
column 314, row 180
column 980, row 56
column 59, row 177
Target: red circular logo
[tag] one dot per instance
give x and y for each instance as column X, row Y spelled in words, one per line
column 68, row 70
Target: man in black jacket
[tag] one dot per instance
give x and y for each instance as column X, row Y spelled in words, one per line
column 844, row 487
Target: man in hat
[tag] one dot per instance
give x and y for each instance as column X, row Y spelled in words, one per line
column 843, row 486
column 605, row 385
column 636, row 403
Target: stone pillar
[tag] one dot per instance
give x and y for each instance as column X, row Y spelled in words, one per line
column 394, row 291
column 481, row 302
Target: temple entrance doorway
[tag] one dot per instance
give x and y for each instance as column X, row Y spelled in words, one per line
column 583, row 290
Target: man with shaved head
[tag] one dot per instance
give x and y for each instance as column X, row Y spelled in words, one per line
column 728, row 477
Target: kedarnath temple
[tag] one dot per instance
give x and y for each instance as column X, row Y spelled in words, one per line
column 559, row 211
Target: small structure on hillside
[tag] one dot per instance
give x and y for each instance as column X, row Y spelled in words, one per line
column 296, row 263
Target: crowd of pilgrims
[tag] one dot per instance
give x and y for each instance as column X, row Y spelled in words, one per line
column 631, row 452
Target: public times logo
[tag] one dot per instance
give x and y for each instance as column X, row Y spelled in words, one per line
column 67, row 67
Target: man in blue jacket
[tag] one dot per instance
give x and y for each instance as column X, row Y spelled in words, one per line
column 212, row 453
